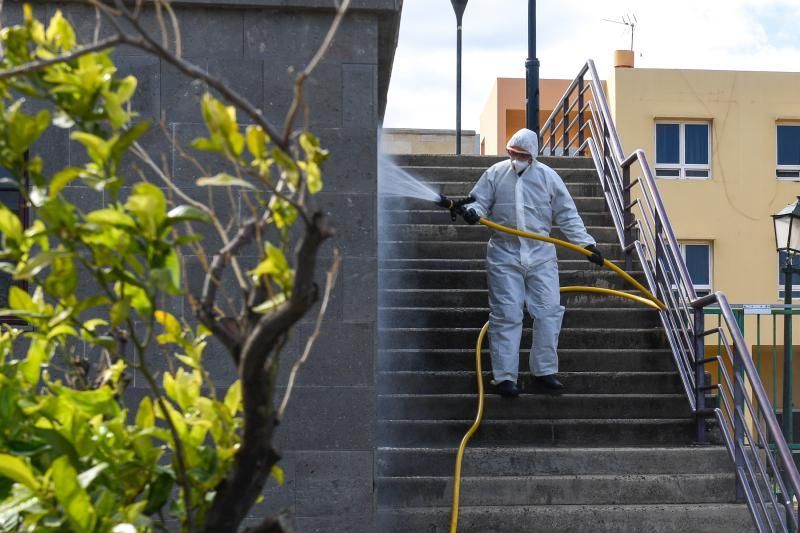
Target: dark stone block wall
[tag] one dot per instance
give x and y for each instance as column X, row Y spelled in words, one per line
column 328, row 436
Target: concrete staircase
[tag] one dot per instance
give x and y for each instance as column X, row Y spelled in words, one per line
column 613, row 453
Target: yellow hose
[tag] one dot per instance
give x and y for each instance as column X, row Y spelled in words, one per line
column 579, row 249
column 651, row 301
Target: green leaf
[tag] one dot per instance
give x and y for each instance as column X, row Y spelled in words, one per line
column 275, row 266
column 277, row 473
column 119, row 312
column 60, row 32
column 145, row 416
column 158, row 492
column 233, row 397
column 86, row 477
column 30, row 268
column 63, row 178
column 171, row 324
column 186, row 213
column 16, row 469
column 38, row 355
column 148, row 205
column 127, row 138
column 257, row 141
column 99, row 150
column 112, row 217
column 10, row 225
column 71, row 496
column 224, row 180
column 20, row 299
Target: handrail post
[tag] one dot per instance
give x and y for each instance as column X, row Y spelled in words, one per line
column 581, row 151
column 552, row 138
column 659, row 253
column 738, row 422
column 627, row 218
column 699, row 375
column 606, row 169
column 565, row 142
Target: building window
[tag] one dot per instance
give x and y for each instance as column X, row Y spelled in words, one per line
column 782, row 276
column 683, row 150
column 699, row 262
column 788, row 167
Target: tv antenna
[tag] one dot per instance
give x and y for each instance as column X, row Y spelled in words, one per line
column 626, row 20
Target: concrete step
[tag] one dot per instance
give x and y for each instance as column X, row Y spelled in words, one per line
column 569, row 360
column 588, row 186
column 433, row 338
column 587, row 382
column 483, row 161
column 414, row 317
column 567, row 406
column 609, row 489
column 588, row 204
column 591, row 276
column 478, row 298
column 472, row 174
column 470, row 250
column 523, row 432
column 656, row 518
column 475, row 264
column 463, row 232
column 499, row 461
column 425, row 215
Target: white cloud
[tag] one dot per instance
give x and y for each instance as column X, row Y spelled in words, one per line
column 710, row 34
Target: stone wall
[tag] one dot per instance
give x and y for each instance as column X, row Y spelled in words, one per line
column 328, row 434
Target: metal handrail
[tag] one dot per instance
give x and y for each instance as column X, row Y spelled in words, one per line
column 766, row 475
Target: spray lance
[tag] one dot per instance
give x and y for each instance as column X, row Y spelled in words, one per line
column 456, row 207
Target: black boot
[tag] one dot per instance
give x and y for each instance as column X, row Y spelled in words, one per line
column 550, row 381
column 507, row 389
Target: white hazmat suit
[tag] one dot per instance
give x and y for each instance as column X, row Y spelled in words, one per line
column 522, row 271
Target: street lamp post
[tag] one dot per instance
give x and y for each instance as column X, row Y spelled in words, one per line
column 532, row 74
column 787, row 240
column 458, row 6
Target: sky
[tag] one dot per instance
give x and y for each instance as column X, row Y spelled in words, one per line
column 695, row 34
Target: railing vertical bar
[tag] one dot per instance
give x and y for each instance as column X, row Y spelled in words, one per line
column 699, row 375
column 565, row 133
column 774, row 364
column 627, row 219
column 580, row 117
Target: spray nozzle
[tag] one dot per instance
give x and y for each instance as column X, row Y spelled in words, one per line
column 456, row 207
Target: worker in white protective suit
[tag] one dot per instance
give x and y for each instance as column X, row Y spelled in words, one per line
column 523, row 193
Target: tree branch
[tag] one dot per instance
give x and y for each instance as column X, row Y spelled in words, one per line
column 237, row 493
column 34, row 66
column 231, row 340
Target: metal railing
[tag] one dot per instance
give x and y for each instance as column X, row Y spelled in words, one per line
column 766, row 476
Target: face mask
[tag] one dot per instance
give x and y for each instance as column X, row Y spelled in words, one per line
column 520, row 165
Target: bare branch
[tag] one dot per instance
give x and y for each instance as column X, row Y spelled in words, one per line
column 176, row 30
column 162, row 25
column 145, row 157
column 34, row 66
column 98, row 23
column 306, row 72
column 330, row 283
column 231, row 339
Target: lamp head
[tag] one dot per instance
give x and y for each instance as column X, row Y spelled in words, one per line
column 787, row 228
